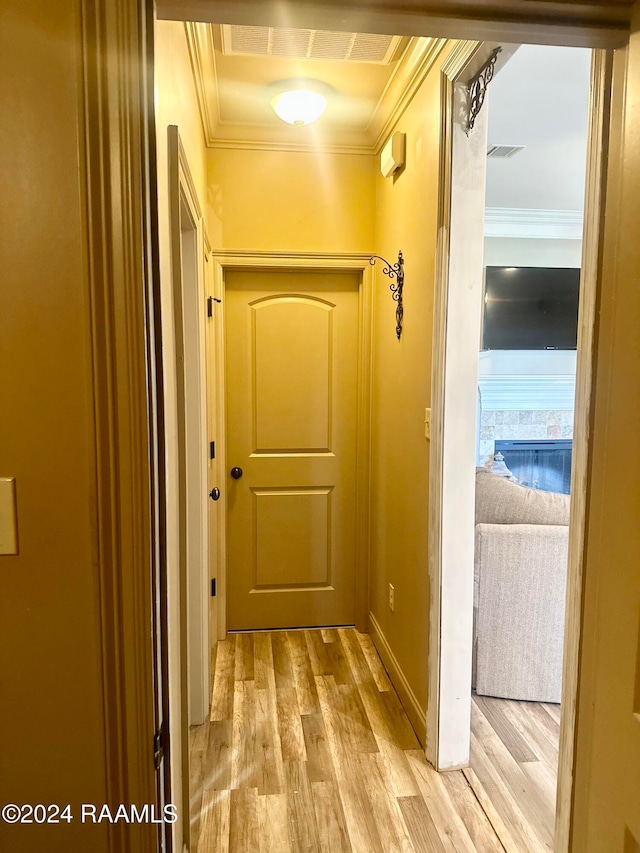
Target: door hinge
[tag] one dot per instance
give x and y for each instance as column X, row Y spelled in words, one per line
column 213, row 587
column 210, row 301
column 158, row 748
column 212, row 450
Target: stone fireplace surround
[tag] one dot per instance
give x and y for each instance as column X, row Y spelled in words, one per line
column 524, row 395
column 521, row 424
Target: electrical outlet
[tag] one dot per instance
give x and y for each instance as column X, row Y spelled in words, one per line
column 392, row 597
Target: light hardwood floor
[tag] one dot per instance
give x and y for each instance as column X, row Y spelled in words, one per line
column 308, row 749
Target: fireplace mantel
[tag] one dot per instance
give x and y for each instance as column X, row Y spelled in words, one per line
column 527, row 380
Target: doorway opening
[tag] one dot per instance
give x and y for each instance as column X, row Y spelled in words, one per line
column 500, row 620
column 311, row 208
column 527, row 371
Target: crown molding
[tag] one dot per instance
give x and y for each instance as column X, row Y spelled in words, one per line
column 349, row 259
column 411, row 70
column 290, row 147
column 262, row 137
column 526, row 223
column 203, row 66
column 416, row 62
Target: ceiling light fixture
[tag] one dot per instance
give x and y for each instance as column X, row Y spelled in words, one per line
column 299, row 101
column 299, row 106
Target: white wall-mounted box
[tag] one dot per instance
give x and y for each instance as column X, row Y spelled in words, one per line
column 392, row 156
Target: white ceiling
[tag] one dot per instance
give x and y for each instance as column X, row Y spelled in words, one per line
column 540, row 99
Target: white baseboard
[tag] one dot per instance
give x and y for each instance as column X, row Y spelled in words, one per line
column 416, row 714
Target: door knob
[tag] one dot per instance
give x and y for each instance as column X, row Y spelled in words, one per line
column 214, row 494
column 236, row 473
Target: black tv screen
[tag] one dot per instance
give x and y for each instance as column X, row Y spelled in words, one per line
column 530, row 308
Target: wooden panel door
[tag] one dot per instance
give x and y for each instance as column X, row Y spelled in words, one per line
column 292, row 344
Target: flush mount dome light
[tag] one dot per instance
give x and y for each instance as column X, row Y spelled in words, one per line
column 299, row 106
column 299, row 101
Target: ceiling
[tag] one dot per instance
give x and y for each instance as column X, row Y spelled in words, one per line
column 244, row 81
column 238, row 68
column 540, row 99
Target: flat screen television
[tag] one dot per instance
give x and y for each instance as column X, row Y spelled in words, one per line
column 530, row 308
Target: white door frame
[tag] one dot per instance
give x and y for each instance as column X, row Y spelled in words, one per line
column 189, row 311
column 450, row 559
column 359, row 263
column 456, row 335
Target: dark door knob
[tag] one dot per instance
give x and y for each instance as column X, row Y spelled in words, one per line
column 214, row 494
column 236, row 473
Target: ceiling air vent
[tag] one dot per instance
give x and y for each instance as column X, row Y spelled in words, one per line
column 504, row 151
column 308, row 44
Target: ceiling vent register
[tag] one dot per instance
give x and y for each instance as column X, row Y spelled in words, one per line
column 504, row 151
column 308, row 44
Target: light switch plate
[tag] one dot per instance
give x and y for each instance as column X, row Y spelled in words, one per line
column 8, row 517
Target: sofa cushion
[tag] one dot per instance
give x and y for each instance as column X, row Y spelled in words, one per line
column 501, row 501
column 520, row 610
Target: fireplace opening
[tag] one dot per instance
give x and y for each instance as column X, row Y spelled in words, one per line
column 539, row 464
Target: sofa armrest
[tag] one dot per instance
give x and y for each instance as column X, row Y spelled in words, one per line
column 520, row 573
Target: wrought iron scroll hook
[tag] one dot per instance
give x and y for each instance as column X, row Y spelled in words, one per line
column 394, row 271
column 478, row 89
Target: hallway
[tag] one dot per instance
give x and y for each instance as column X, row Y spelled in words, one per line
column 308, row 748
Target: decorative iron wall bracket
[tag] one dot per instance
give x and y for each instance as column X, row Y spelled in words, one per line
column 394, row 271
column 478, row 89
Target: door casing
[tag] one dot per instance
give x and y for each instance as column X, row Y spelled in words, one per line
column 287, row 261
column 561, row 22
column 447, row 577
column 456, row 332
column 190, row 658
column 188, row 231
column 111, row 39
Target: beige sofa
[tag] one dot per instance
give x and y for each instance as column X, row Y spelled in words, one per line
column 519, row 595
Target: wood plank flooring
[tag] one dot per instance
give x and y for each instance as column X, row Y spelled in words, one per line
column 513, row 769
column 309, row 749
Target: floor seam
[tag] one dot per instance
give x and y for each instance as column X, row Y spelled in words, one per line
column 483, row 810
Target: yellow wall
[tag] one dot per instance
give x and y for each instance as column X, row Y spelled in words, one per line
column 276, row 201
column 176, row 104
column 406, row 219
column 607, row 792
column 270, row 201
column 52, row 713
column 51, row 703
column 291, row 201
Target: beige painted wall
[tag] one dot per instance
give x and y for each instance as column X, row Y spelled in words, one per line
column 270, row 201
column 291, row 201
column 51, row 706
column 607, row 780
column 52, row 727
column 176, row 104
column 406, row 219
